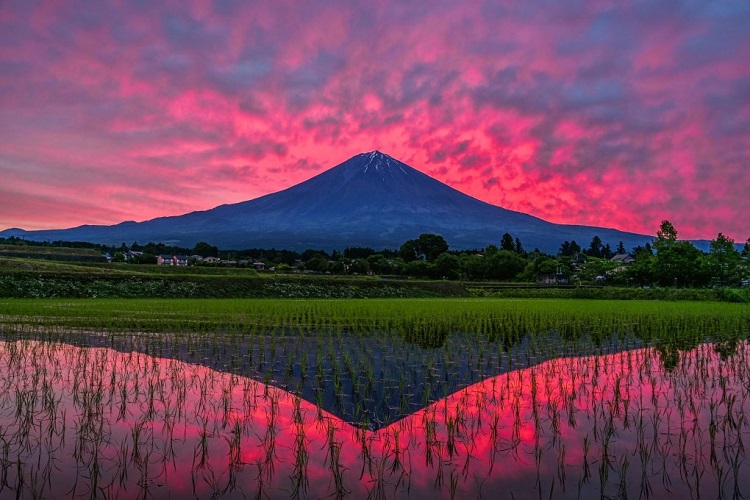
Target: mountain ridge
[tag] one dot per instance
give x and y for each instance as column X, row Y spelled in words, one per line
column 371, row 199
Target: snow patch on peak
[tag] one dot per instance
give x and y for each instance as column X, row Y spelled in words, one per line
column 382, row 163
column 378, row 161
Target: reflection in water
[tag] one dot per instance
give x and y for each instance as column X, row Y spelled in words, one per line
column 368, row 380
column 99, row 422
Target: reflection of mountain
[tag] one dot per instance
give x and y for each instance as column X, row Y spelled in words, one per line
column 99, row 422
column 371, row 200
column 367, row 380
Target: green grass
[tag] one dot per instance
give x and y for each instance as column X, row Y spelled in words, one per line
column 422, row 318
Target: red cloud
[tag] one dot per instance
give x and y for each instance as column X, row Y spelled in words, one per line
column 601, row 116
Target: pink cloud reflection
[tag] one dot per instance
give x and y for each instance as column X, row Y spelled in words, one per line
column 186, row 429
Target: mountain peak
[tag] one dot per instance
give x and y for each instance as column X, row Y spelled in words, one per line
column 377, row 162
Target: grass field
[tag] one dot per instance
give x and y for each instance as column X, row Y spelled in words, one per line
column 488, row 317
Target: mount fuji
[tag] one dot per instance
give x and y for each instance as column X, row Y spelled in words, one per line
column 369, row 200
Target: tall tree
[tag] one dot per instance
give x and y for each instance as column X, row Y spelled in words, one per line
column 427, row 246
column 596, row 247
column 676, row 263
column 506, row 243
column 640, row 272
column 666, row 232
column 431, row 246
column 519, row 247
column 724, row 262
column 408, row 251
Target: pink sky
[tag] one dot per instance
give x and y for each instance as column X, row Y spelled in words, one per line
column 588, row 112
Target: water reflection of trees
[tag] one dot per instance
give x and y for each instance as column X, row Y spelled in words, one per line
column 671, row 350
column 367, row 380
column 95, row 421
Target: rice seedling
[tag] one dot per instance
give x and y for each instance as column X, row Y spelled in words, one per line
column 248, row 398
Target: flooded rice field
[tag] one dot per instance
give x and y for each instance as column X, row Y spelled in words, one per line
column 294, row 415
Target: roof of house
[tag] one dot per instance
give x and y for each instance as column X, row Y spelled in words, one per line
column 622, row 257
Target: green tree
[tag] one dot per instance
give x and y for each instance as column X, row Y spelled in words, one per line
column 596, row 247
column 408, row 251
column 431, row 246
column 341, row 266
column 507, row 243
column 379, row 264
column 474, row 266
column 542, row 264
column 640, row 272
column 504, row 265
column 427, row 246
column 595, row 266
column 418, row 268
column 724, row 262
column 359, row 266
column 666, row 232
column 446, row 266
column 205, row 250
column 676, row 263
column 317, row 263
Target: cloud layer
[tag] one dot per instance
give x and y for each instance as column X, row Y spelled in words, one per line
column 586, row 112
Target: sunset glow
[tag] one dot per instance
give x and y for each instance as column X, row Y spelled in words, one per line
column 615, row 115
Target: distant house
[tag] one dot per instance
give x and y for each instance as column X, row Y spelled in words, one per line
column 259, row 265
column 211, row 260
column 172, row 260
column 132, row 255
column 622, row 260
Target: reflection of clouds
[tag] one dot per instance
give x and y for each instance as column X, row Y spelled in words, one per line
column 188, row 429
column 586, row 105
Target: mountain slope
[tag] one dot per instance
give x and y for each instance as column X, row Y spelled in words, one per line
column 371, row 200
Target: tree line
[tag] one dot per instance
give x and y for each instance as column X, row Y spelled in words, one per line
column 666, row 261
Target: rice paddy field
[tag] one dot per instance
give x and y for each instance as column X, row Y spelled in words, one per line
column 409, row 398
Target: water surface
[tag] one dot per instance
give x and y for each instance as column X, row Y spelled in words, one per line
column 96, row 421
